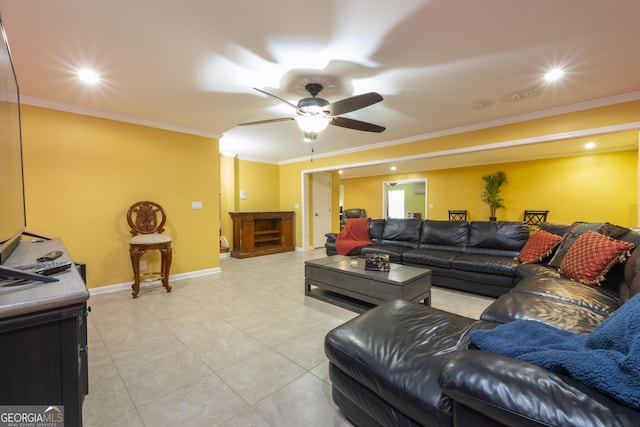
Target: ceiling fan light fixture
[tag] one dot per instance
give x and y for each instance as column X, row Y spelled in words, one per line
column 310, row 136
column 312, row 124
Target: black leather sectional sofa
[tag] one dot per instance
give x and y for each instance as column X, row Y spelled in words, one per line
column 473, row 256
column 406, row 364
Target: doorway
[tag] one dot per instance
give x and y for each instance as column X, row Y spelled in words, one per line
column 321, row 207
column 405, row 199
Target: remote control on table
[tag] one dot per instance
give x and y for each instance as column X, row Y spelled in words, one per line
column 50, row 256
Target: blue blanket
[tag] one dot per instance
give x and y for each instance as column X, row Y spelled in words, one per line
column 607, row 360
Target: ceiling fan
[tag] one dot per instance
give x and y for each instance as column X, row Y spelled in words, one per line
column 315, row 114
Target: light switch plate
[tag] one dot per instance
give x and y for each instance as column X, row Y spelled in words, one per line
column 196, row 205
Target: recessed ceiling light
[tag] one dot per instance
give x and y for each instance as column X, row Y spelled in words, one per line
column 393, row 168
column 340, row 172
column 590, row 145
column 88, row 76
column 554, row 74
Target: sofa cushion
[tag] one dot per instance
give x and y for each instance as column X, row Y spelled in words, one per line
column 613, row 230
column 444, row 233
column 553, row 228
column 510, row 392
column 497, row 237
column 570, row 236
column 394, row 251
column 428, row 257
column 538, row 247
column 504, row 266
column 479, row 283
column 591, row 256
column 561, row 314
column 576, row 229
column 525, row 270
column 396, row 350
column 593, row 298
column 376, row 227
column 402, row 232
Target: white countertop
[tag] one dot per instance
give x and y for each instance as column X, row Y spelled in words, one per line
column 31, row 297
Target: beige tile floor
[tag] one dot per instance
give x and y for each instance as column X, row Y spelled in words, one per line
column 243, row 347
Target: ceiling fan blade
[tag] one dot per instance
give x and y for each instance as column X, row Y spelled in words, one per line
column 259, row 122
column 356, row 124
column 276, row 97
column 354, row 103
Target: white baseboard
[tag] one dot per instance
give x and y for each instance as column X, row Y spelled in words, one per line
column 175, row 277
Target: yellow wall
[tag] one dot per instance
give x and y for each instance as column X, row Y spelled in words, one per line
column 364, row 193
column 291, row 196
column 82, row 173
column 598, row 187
column 228, row 195
column 261, row 182
column 629, row 112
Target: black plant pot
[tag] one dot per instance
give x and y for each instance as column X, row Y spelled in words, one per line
column 492, row 218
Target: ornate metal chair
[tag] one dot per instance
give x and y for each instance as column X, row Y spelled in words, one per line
column 458, row 215
column 147, row 220
column 534, row 218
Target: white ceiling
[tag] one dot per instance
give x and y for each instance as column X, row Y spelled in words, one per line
column 191, row 65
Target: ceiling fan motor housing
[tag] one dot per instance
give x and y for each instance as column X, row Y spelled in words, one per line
column 312, row 105
column 313, row 88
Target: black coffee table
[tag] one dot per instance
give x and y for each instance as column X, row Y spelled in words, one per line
column 333, row 279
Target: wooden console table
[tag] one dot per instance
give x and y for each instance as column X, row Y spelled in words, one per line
column 261, row 233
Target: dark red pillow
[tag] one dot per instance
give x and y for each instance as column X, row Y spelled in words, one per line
column 591, row 256
column 539, row 246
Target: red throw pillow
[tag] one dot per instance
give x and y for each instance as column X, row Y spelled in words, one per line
column 539, row 246
column 591, row 256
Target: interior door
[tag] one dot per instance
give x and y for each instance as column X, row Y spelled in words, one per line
column 396, row 204
column 321, row 183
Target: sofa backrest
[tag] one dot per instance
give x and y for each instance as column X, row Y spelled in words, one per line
column 623, row 277
column 376, row 227
column 402, row 232
column 502, row 238
column 553, row 228
column 449, row 235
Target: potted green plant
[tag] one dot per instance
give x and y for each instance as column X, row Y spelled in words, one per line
column 491, row 194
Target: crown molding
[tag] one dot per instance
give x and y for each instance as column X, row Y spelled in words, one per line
column 38, row 102
column 492, row 146
column 588, row 105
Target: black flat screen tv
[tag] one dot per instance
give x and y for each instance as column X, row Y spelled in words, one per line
column 12, row 199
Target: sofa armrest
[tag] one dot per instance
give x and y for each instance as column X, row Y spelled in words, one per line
column 331, row 237
column 517, row 393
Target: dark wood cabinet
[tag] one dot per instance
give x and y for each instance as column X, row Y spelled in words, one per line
column 43, row 337
column 261, row 233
